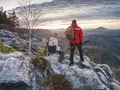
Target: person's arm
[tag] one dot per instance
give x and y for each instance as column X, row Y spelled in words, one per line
column 81, row 35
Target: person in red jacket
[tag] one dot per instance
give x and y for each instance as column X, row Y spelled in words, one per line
column 76, row 43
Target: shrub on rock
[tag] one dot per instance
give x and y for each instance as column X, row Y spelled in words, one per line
column 58, row 82
column 40, row 62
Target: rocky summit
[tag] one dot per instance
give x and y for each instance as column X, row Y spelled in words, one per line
column 89, row 76
column 18, row 73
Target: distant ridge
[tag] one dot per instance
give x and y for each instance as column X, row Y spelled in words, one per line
column 101, row 28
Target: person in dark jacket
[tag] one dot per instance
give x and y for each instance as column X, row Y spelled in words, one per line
column 77, row 42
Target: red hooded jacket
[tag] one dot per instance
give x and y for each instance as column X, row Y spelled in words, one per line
column 78, row 34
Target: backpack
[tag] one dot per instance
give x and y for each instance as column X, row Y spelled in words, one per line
column 70, row 33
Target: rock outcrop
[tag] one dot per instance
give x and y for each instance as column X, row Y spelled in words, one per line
column 89, row 76
column 15, row 72
column 12, row 39
column 18, row 73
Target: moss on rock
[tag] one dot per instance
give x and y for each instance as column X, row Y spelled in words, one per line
column 5, row 49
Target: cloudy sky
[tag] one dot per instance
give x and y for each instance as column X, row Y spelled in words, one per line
column 9, row 4
column 88, row 13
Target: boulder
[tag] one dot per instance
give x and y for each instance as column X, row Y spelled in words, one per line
column 15, row 72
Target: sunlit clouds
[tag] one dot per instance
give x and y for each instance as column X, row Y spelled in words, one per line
column 10, row 4
column 110, row 24
column 52, row 25
column 89, row 14
column 85, row 24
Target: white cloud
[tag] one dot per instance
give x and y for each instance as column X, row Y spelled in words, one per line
column 9, row 4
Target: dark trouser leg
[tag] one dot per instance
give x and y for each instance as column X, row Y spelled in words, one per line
column 80, row 52
column 72, row 50
column 61, row 56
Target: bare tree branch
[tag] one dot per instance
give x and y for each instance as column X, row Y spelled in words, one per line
column 30, row 16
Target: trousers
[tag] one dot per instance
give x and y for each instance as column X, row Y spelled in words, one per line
column 72, row 50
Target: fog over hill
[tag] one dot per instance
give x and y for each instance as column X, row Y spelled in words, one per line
column 105, row 38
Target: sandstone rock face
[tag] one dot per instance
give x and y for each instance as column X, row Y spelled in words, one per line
column 17, row 73
column 12, row 39
column 14, row 71
column 89, row 76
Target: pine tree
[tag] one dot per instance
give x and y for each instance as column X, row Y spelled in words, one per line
column 9, row 21
column 3, row 16
column 13, row 19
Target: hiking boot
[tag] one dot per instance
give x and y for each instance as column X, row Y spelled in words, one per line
column 85, row 64
column 71, row 64
column 60, row 61
column 82, row 60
